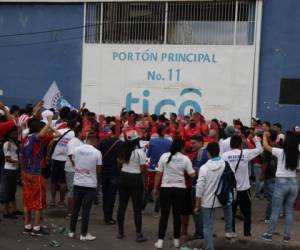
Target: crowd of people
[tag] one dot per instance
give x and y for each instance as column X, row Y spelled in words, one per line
column 188, row 164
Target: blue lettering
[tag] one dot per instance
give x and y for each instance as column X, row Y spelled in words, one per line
column 151, row 76
column 146, row 93
column 206, row 58
column 163, row 56
column 131, row 100
column 162, row 103
column 186, row 104
column 214, row 59
column 115, row 55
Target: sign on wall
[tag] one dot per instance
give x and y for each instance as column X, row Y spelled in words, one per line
column 214, row 80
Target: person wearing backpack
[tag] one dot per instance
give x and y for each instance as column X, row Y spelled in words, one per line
column 208, row 183
column 238, row 159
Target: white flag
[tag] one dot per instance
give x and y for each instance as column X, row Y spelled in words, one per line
column 54, row 99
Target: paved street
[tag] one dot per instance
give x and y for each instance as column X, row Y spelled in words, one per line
column 11, row 232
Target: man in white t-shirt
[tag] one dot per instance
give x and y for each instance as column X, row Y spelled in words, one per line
column 58, row 161
column 70, row 165
column 87, row 161
column 238, row 160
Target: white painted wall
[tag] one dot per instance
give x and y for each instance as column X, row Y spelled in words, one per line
column 226, row 85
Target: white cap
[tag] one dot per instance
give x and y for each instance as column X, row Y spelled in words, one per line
column 46, row 113
column 132, row 135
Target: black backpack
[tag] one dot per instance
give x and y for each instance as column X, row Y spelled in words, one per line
column 226, row 186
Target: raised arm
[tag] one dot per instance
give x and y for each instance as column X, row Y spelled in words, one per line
column 252, row 153
column 8, row 116
column 45, row 129
column 37, row 109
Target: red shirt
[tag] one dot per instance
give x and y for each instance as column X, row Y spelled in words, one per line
column 5, row 127
column 251, row 145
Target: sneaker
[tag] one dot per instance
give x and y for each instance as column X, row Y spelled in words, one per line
column 110, row 222
column 27, row 231
column 159, row 244
column 230, row 235
column 71, row 235
column 120, row 235
column 267, row 221
column 52, row 204
column 140, row 238
column 176, row 243
column 286, row 239
column 266, row 237
column 156, row 215
column 88, row 237
column 39, row 233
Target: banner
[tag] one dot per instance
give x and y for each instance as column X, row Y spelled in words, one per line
column 216, row 81
column 54, row 99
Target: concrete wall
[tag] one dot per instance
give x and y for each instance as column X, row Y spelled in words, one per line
column 30, row 63
column 280, row 58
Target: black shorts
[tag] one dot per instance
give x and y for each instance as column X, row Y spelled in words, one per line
column 8, row 187
column 58, row 172
column 187, row 208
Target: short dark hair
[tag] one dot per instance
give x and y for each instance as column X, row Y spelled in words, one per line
column 174, row 114
column 77, row 130
column 267, row 123
column 72, row 123
column 278, row 125
column 213, row 149
column 154, row 117
column 35, row 126
column 236, row 141
column 28, row 109
column 198, row 138
column 14, row 108
column 64, row 112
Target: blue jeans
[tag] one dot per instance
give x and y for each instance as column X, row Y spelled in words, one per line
column 285, row 194
column 269, row 188
column 197, row 219
column 208, row 225
column 257, row 174
column 228, row 218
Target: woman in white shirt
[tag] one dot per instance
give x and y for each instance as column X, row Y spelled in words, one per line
column 170, row 171
column 286, row 184
column 133, row 161
column 9, row 175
